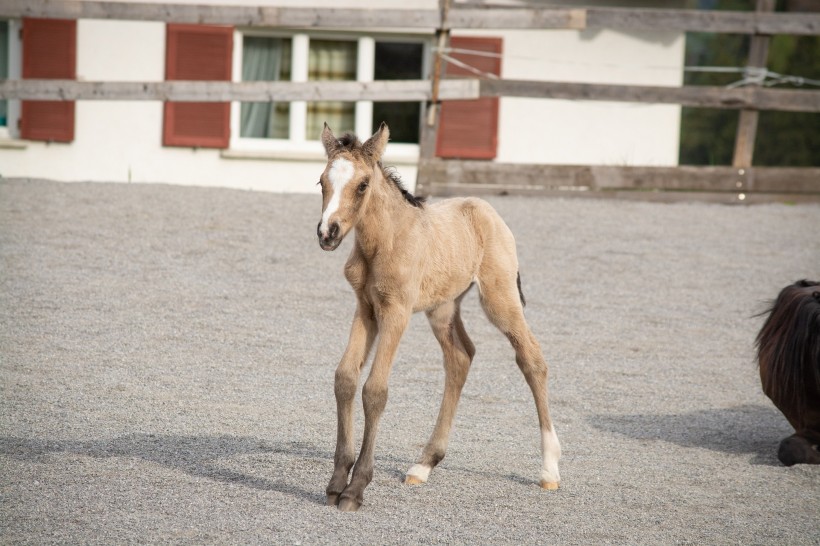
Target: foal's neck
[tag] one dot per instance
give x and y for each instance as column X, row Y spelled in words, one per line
column 387, row 219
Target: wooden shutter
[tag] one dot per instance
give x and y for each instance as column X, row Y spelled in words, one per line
column 49, row 52
column 198, row 52
column 469, row 129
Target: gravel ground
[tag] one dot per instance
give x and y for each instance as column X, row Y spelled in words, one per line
column 167, row 358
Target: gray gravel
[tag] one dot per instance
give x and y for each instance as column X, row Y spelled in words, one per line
column 167, row 358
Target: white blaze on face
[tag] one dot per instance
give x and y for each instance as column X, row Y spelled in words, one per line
column 340, row 173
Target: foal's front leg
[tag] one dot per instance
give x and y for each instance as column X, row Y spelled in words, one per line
column 362, row 334
column 392, row 324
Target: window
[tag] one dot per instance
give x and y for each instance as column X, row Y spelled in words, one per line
column 11, row 58
column 4, row 69
column 332, row 60
column 295, row 126
column 399, row 61
column 265, row 59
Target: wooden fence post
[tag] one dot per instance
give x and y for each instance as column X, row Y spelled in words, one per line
column 747, row 123
column 431, row 117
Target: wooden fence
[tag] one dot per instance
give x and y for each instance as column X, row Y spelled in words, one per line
column 447, row 177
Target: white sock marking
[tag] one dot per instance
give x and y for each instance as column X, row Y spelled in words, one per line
column 420, row 471
column 551, row 451
column 340, row 173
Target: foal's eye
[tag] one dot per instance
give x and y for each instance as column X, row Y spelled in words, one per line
column 363, row 187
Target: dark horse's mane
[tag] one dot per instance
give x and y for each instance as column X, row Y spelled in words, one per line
column 349, row 142
column 788, row 346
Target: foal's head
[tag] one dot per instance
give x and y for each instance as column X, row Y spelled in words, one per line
column 346, row 182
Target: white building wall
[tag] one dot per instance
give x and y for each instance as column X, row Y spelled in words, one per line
column 122, row 141
column 587, row 132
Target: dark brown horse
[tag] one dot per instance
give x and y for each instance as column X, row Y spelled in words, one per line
column 788, row 348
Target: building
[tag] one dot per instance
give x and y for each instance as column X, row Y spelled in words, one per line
column 275, row 147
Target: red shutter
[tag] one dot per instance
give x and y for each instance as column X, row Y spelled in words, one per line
column 469, row 129
column 198, row 52
column 49, row 52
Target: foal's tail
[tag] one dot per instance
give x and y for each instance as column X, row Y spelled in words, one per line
column 520, row 293
column 788, row 348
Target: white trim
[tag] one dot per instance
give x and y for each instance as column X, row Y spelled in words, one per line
column 365, row 69
column 257, row 148
column 300, row 53
column 236, row 76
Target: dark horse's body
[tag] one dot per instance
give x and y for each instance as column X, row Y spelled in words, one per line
column 789, row 356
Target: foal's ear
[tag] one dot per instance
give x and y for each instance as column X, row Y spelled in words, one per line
column 375, row 145
column 330, row 142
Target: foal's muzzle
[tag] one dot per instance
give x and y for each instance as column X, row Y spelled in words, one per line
column 331, row 239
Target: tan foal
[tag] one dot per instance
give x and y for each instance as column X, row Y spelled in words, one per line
column 408, row 257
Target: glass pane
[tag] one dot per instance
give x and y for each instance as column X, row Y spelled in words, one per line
column 4, row 68
column 331, row 60
column 265, row 59
column 398, row 61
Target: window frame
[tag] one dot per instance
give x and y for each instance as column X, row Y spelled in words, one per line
column 11, row 131
column 297, row 146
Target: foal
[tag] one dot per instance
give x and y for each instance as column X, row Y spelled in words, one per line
column 411, row 257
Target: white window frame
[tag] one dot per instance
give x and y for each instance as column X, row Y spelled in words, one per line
column 11, row 130
column 297, row 146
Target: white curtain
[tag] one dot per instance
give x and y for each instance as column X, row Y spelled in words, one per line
column 331, row 60
column 265, row 59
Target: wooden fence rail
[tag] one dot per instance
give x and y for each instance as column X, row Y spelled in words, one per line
column 458, row 17
column 694, row 95
column 250, row 91
column 757, row 98
column 724, row 184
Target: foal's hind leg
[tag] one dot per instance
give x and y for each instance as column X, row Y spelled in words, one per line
column 458, row 354
column 501, row 301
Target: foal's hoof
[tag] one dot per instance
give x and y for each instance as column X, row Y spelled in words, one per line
column 332, row 499
column 549, row 486
column 417, row 474
column 347, row 504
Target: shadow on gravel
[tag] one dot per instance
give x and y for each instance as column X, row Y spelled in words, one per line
column 201, row 456
column 746, row 429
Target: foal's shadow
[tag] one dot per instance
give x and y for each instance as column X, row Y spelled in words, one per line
column 747, row 429
column 200, row 456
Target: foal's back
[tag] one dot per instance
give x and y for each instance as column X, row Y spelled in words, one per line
column 465, row 241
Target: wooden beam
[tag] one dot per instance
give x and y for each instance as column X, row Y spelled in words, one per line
column 491, row 177
column 517, row 18
column 257, row 91
column 239, row 15
column 629, row 19
column 790, row 100
column 731, row 22
column 696, row 96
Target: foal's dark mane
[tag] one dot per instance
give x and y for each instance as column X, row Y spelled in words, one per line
column 391, row 174
column 349, row 142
